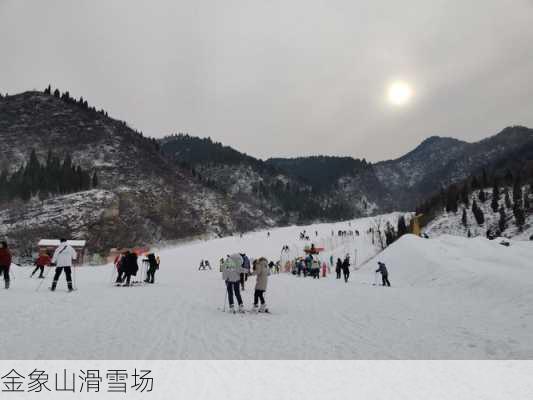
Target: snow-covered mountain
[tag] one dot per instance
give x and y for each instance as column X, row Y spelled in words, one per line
column 142, row 197
column 181, row 186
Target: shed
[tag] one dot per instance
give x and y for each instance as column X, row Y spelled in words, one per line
column 49, row 245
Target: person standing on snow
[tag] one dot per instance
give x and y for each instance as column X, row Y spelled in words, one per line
column 338, row 268
column 153, row 266
column 129, row 266
column 42, row 261
column 246, row 269
column 5, row 262
column 346, row 269
column 231, row 273
column 62, row 258
column 384, row 273
column 261, row 270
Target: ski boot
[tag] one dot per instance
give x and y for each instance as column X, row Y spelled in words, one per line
column 263, row 309
column 7, row 285
column 255, row 309
column 241, row 308
column 232, row 309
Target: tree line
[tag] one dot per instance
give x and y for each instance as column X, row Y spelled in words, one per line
column 54, row 176
column 508, row 193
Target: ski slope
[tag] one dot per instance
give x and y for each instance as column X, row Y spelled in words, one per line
column 451, row 298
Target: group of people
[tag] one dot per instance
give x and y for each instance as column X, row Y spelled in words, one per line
column 127, row 266
column 62, row 259
column 344, row 267
column 235, row 271
column 204, row 264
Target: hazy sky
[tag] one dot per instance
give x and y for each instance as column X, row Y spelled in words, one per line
column 282, row 77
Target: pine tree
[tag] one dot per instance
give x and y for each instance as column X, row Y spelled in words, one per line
column 464, row 218
column 482, row 196
column 56, row 93
column 508, row 203
column 517, row 192
column 495, row 197
column 48, row 90
column 478, row 213
column 502, row 223
column 519, row 215
column 95, row 180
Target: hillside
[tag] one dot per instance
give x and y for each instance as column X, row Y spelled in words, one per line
column 148, row 199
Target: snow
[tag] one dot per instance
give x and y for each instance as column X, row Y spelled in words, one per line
column 451, row 298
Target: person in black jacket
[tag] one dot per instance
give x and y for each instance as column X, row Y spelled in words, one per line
column 338, row 268
column 384, row 273
column 129, row 266
column 153, row 266
column 346, row 269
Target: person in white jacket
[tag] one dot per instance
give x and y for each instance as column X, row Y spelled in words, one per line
column 231, row 273
column 63, row 258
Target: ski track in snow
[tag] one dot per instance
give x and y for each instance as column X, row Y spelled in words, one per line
column 452, row 298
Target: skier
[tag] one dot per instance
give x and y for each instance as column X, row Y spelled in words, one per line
column 207, row 265
column 346, row 269
column 384, row 273
column 129, row 266
column 202, row 266
column 231, row 273
column 62, row 258
column 118, row 265
column 246, row 269
column 42, row 261
column 5, row 262
column 338, row 268
column 261, row 270
column 270, row 266
column 153, row 266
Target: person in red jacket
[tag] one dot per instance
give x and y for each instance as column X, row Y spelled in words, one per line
column 42, row 261
column 5, row 262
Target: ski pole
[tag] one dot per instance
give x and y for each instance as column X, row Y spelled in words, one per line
column 42, row 280
column 225, row 298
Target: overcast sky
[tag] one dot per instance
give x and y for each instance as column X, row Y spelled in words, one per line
column 282, row 77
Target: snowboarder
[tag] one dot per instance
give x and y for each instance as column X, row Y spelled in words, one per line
column 338, row 268
column 42, row 261
column 129, row 266
column 62, row 258
column 384, row 273
column 231, row 273
column 5, row 262
column 261, row 270
column 153, row 265
column 346, row 269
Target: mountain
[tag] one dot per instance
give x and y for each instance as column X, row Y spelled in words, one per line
column 402, row 183
column 141, row 197
column 146, row 190
column 288, row 196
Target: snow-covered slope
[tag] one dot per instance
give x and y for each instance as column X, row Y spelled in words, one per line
column 450, row 223
column 451, row 297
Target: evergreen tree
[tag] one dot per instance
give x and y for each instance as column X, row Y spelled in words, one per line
column 478, row 213
column 508, row 203
column 56, row 93
column 482, row 196
column 464, row 218
column 502, row 223
column 519, row 215
column 48, row 90
column 495, row 197
column 95, row 180
column 517, row 192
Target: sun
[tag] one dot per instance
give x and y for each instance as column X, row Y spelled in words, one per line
column 399, row 93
